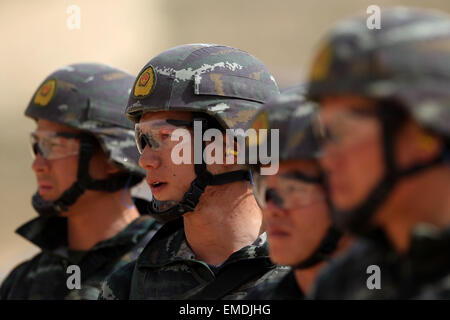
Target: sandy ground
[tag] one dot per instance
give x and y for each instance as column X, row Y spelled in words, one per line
column 35, row 41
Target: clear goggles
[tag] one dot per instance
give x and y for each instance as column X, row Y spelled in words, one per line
column 288, row 190
column 348, row 128
column 54, row 145
column 160, row 134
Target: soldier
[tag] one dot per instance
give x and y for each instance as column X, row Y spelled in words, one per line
column 85, row 164
column 212, row 245
column 385, row 105
column 294, row 201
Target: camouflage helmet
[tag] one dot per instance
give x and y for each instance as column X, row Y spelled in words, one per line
column 299, row 138
column 91, row 97
column 407, row 59
column 224, row 82
column 404, row 65
column 294, row 118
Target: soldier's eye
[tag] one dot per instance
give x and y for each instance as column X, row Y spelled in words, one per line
column 164, row 134
column 143, row 142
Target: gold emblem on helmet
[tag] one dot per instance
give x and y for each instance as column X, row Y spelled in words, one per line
column 261, row 122
column 145, row 83
column 322, row 63
column 45, row 93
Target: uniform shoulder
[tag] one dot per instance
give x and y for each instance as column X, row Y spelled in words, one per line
column 269, row 288
column 263, row 285
column 117, row 285
column 438, row 290
column 348, row 272
column 17, row 274
column 362, row 251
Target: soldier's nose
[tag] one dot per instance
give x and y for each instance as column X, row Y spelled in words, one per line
column 40, row 164
column 149, row 160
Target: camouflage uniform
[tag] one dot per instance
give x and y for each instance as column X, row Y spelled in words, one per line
column 406, row 62
column 90, row 98
column 422, row 273
column 44, row 276
column 333, row 283
column 228, row 85
column 168, row 269
column 285, row 288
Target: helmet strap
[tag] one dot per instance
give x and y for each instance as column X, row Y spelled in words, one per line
column 327, row 246
column 358, row 219
column 204, row 178
column 84, row 181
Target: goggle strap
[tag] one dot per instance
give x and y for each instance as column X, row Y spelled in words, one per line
column 180, row 123
column 229, row 177
column 303, row 177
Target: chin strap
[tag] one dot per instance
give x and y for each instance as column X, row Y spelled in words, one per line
column 329, row 243
column 358, row 219
column 324, row 251
column 84, row 182
column 164, row 211
column 198, row 186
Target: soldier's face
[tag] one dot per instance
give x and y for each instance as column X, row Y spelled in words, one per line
column 353, row 153
column 167, row 180
column 57, row 175
column 296, row 225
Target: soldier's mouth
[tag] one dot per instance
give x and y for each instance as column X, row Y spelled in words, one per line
column 277, row 232
column 44, row 187
column 337, row 186
column 157, row 186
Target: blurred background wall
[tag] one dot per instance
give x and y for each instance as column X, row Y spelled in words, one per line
column 35, row 40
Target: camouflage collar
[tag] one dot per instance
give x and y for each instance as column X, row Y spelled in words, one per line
column 173, row 247
column 51, row 234
column 429, row 244
column 426, row 241
column 287, row 288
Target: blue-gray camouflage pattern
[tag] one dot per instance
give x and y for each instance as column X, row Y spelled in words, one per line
column 285, row 288
column 91, row 97
column 168, row 269
column 407, row 59
column 44, row 276
column 227, row 83
column 421, row 273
